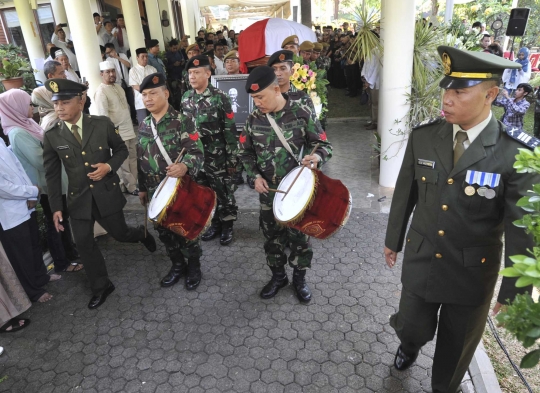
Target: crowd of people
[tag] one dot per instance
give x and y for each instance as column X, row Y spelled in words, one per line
column 160, row 117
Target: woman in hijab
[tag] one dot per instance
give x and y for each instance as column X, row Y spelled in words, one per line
column 42, row 98
column 26, row 137
column 512, row 78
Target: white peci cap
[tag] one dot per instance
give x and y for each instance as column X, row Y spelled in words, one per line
column 106, row 65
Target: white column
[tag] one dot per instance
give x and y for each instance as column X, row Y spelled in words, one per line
column 397, row 25
column 154, row 22
column 30, row 33
column 59, row 13
column 449, row 11
column 86, row 43
column 132, row 17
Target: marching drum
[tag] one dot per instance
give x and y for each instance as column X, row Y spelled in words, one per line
column 315, row 205
column 183, row 207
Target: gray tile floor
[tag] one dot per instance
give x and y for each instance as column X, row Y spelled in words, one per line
column 223, row 337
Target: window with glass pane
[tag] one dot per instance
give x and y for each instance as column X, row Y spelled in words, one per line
column 14, row 28
column 46, row 22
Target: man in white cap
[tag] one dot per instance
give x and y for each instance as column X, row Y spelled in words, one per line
column 110, row 100
column 61, row 56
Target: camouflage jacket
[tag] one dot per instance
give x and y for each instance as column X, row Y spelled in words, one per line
column 176, row 131
column 214, row 120
column 261, row 150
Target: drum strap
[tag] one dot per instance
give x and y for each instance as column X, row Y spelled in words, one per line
column 160, row 145
column 280, row 135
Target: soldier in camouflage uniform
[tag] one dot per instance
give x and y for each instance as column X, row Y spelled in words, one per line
column 324, row 62
column 175, row 131
column 210, row 109
column 192, row 50
column 282, row 63
column 265, row 158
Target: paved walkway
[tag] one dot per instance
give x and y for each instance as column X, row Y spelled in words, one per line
column 223, row 337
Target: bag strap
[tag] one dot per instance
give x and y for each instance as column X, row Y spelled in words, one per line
column 160, row 145
column 280, row 135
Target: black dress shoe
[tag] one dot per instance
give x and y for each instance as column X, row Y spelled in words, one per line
column 212, row 232
column 226, row 233
column 403, row 361
column 98, row 300
column 149, row 241
column 279, row 280
column 303, row 292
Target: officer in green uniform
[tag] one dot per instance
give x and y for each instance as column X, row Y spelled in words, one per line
column 192, row 50
column 291, row 43
column 176, row 132
column 210, row 109
column 306, row 49
column 266, row 159
column 458, row 177
column 91, row 151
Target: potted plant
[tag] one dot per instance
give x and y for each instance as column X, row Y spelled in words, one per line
column 13, row 67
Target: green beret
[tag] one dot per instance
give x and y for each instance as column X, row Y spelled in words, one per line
column 280, row 56
column 259, row 79
column 193, row 47
column 152, row 81
column 291, row 40
column 233, row 54
column 464, row 68
column 306, row 46
column 64, row 89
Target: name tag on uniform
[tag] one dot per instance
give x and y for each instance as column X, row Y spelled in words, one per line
column 483, row 178
column 62, row 147
column 427, row 163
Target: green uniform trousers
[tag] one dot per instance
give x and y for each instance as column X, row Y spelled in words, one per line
column 177, row 247
column 219, row 180
column 460, row 329
column 278, row 237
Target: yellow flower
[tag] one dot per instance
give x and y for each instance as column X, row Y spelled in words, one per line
column 294, row 76
column 312, row 79
column 488, row 11
column 301, row 86
column 313, row 87
column 296, row 66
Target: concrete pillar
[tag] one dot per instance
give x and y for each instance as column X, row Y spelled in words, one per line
column 154, row 22
column 397, row 25
column 59, row 13
column 132, row 17
column 30, row 33
column 86, row 43
column 449, row 11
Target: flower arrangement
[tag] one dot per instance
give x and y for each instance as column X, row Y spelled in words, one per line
column 311, row 80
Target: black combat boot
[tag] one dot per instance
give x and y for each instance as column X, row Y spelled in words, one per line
column 226, row 233
column 177, row 271
column 300, row 287
column 212, row 232
column 279, row 280
column 194, row 275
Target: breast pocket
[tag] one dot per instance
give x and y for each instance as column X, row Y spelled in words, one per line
column 427, row 185
column 68, row 157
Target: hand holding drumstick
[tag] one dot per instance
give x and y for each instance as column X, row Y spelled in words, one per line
column 308, row 161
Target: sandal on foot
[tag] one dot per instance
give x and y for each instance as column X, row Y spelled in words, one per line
column 15, row 325
column 77, row 267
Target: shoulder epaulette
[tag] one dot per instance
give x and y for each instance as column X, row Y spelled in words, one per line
column 522, row 137
column 428, row 122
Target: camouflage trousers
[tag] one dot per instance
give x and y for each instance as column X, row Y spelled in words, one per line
column 278, row 237
column 177, row 247
column 219, row 180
